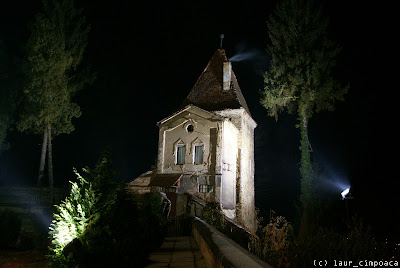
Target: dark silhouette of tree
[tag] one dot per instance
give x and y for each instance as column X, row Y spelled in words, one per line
column 299, row 77
column 4, row 113
column 8, row 95
column 53, row 53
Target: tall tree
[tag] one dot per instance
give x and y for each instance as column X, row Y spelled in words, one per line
column 8, row 94
column 4, row 113
column 299, row 78
column 53, row 53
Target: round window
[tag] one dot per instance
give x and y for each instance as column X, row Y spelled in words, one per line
column 190, row 128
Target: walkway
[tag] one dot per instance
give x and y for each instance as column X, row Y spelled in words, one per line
column 181, row 251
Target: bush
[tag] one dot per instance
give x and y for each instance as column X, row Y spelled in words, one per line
column 74, row 214
column 356, row 244
column 39, row 235
column 102, row 225
column 275, row 242
column 23, row 231
column 10, row 227
column 212, row 214
column 125, row 234
column 360, row 244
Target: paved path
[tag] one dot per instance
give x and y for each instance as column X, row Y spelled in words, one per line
column 181, row 251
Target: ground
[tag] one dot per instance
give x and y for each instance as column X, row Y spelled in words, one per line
column 180, row 251
column 20, row 259
column 175, row 252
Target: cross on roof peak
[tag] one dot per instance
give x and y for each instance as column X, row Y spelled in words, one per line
column 222, row 37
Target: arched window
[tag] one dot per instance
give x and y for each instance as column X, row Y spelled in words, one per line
column 198, row 154
column 180, row 154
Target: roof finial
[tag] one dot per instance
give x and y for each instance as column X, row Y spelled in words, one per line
column 222, row 37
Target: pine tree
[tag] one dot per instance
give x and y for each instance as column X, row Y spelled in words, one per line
column 4, row 113
column 8, row 96
column 299, row 78
column 54, row 52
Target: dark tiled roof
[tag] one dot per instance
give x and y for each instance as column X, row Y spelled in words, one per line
column 208, row 92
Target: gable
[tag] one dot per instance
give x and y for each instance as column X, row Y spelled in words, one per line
column 190, row 112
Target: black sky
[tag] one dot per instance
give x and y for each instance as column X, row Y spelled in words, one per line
column 148, row 55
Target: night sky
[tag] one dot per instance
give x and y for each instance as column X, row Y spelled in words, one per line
column 147, row 57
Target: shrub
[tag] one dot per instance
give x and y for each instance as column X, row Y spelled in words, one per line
column 10, row 227
column 72, row 218
column 102, row 225
column 275, row 242
column 212, row 214
column 40, row 234
column 125, row 233
column 360, row 244
column 356, row 244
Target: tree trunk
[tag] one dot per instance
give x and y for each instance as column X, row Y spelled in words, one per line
column 42, row 158
column 305, row 163
column 50, row 165
column 306, row 187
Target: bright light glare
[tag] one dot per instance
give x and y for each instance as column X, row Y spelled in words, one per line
column 345, row 192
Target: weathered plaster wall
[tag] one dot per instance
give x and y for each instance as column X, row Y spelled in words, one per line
column 247, row 207
column 175, row 132
column 229, row 154
column 245, row 124
column 221, row 133
column 207, row 132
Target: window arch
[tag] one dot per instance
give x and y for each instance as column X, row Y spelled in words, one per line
column 198, row 152
column 197, row 147
column 180, row 152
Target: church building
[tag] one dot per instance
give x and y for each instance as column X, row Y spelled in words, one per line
column 206, row 149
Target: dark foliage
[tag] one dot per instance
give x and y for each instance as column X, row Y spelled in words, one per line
column 212, row 214
column 123, row 236
column 33, row 235
column 121, row 228
column 9, row 94
column 10, row 227
column 104, row 179
column 356, row 244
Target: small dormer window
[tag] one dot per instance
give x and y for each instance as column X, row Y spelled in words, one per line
column 180, row 154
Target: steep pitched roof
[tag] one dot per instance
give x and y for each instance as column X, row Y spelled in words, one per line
column 208, row 92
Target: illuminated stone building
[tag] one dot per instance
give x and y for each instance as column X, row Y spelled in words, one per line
column 206, row 149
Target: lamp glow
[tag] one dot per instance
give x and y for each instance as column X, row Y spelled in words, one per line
column 345, row 192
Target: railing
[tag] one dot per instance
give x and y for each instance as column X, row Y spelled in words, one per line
column 237, row 233
column 179, row 226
